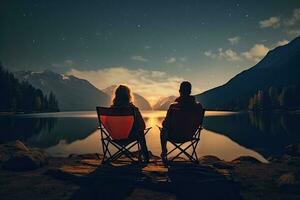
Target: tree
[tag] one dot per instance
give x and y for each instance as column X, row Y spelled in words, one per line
column 21, row 96
column 52, row 102
column 273, row 94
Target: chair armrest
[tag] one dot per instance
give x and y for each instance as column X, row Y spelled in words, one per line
column 147, row 130
column 160, row 128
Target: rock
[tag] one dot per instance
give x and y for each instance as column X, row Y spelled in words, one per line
column 215, row 162
column 289, row 182
column 60, row 174
column 17, row 157
column 15, row 146
column 25, row 161
column 92, row 156
column 286, row 179
column 248, row 159
column 223, row 165
column 210, row 159
column 293, row 150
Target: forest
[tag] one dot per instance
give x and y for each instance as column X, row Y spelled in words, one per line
column 283, row 98
column 19, row 96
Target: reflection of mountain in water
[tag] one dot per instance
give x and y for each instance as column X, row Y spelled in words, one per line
column 13, row 128
column 67, row 129
column 267, row 133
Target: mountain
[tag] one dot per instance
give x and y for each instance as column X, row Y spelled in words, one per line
column 164, row 103
column 73, row 94
column 22, row 97
column 279, row 68
column 139, row 100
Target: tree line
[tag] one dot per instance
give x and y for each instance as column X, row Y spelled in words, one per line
column 19, row 96
column 286, row 98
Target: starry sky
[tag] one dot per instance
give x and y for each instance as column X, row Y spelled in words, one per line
column 149, row 45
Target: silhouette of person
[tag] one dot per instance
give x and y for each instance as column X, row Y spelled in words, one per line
column 184, row 101
column 123, row 98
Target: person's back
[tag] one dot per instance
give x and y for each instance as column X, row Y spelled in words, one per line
column 182, row 118
column 182, row 103
column 123, row 98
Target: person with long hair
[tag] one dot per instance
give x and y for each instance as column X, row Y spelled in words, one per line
column 123, row 98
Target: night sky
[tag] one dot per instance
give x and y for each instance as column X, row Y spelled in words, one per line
column 150, row 45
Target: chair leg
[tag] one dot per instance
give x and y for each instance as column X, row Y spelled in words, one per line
column 193, row 157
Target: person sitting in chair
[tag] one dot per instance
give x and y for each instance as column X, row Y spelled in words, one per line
column 123, row 98
column 184, row 102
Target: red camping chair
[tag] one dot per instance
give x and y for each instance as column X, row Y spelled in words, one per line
column 185, row 127
column 115, row 125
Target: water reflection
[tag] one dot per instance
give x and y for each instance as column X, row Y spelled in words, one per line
column 227, row 135
column 211, row 143
column 12, row 128
column 267, row 133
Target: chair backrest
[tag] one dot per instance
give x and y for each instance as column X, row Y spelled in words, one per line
column 184, row 122
column 118, row 122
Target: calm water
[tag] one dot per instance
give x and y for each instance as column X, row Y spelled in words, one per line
column 226, row 135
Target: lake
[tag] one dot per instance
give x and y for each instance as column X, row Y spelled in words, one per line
column 227, row 135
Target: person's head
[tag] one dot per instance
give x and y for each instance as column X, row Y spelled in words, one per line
column 185, row 88
column 122, row 95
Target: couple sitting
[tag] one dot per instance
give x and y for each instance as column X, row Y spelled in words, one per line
column 186, row 102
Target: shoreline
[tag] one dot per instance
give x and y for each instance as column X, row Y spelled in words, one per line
column 83, row 175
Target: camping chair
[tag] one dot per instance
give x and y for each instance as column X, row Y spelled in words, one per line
column 185, row 127
column 115, row 126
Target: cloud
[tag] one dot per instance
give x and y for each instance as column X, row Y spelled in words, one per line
column 273, row 22
column 228, row 54
column 257, row 52
column 171, row 60
column 282, row 42
column 210, row 54
column 293, row 32
column 183, row 59
column 294, row 19
column 150, row 84
column 139, row 58
column 234, row 40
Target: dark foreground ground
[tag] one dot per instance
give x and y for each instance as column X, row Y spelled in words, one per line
column 31, row 174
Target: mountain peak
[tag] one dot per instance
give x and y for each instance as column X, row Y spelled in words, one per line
column 72, row 93
column 139, row 100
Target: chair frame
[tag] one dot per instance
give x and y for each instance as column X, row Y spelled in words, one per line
column 193, row 143
column 123, row 149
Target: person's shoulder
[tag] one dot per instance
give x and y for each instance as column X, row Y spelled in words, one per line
column 199, row 104
column 134, row 107
column 174, row 105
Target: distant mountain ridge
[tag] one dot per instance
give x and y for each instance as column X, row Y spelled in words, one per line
column 279, row 68
column 164, row 103
column 139, row 100
column 72, row 93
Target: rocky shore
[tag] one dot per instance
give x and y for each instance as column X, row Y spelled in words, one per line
column 28, row 173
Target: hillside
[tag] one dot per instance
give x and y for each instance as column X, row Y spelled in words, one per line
column 19, row 96
column 278, row 69
column 164, row 103
column 73, row 94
